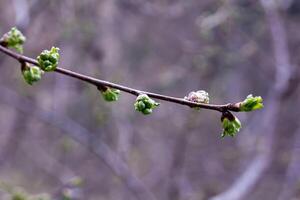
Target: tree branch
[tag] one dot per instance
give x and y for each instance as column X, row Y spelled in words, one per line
column 101, row 83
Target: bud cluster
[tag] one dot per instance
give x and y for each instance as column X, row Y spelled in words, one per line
column 110, row 94
column 14, row 39
column 251, row 103
column 48, row 60
column 145, row 104
column 231, row 124
column 31, row 74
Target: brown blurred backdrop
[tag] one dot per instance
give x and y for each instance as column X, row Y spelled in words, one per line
column 61, row 128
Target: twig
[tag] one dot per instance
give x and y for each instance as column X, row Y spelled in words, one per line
column 101, row 83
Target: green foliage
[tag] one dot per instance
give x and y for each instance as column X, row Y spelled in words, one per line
column 32, row 74
column 145, row 104
column 230, row 126
column 110, row 94
column 48, row 60
column 19, row 195
column 251, row 103
column 14, row 39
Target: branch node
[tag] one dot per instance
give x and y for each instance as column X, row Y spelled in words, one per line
column 102, row 88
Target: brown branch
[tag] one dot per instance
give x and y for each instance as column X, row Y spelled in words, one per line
column 101, row 83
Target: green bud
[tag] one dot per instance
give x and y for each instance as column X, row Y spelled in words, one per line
column 145, row 104
column 141, row 105
column 14, row 39
column 44, row 56
column 47, row 63
column 111, row 94
column 32, row 74
column 231, row 126
column 251, row 103
column 48, row 60
column 147, row 111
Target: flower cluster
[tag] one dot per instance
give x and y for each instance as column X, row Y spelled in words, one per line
column 14, row 39
column 251, row 103
column 200, row 96
column 48, row 60
column 145, row 104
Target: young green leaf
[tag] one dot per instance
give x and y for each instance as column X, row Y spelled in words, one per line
column 14, row 39
column 32, row 74
column 251, row 103
column 110, row 94
column 48, row 60
column 231, row 125
column 145, row 104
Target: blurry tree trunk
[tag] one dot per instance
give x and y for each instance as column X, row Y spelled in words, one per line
column 84, row 137
column 21, row 13
column 293, row 173
column 268, row 121
column 14, row 140
column 112, row 47
column 110, row 39
column 177, row 166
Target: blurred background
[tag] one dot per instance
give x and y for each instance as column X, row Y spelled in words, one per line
column 59, row 136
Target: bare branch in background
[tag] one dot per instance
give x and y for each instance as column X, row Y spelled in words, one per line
column 174, row 47
column 22, row 12
column 12, row 144
column 84, row 137
column 255, row 172
column 177, row 166
column 293, row 174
